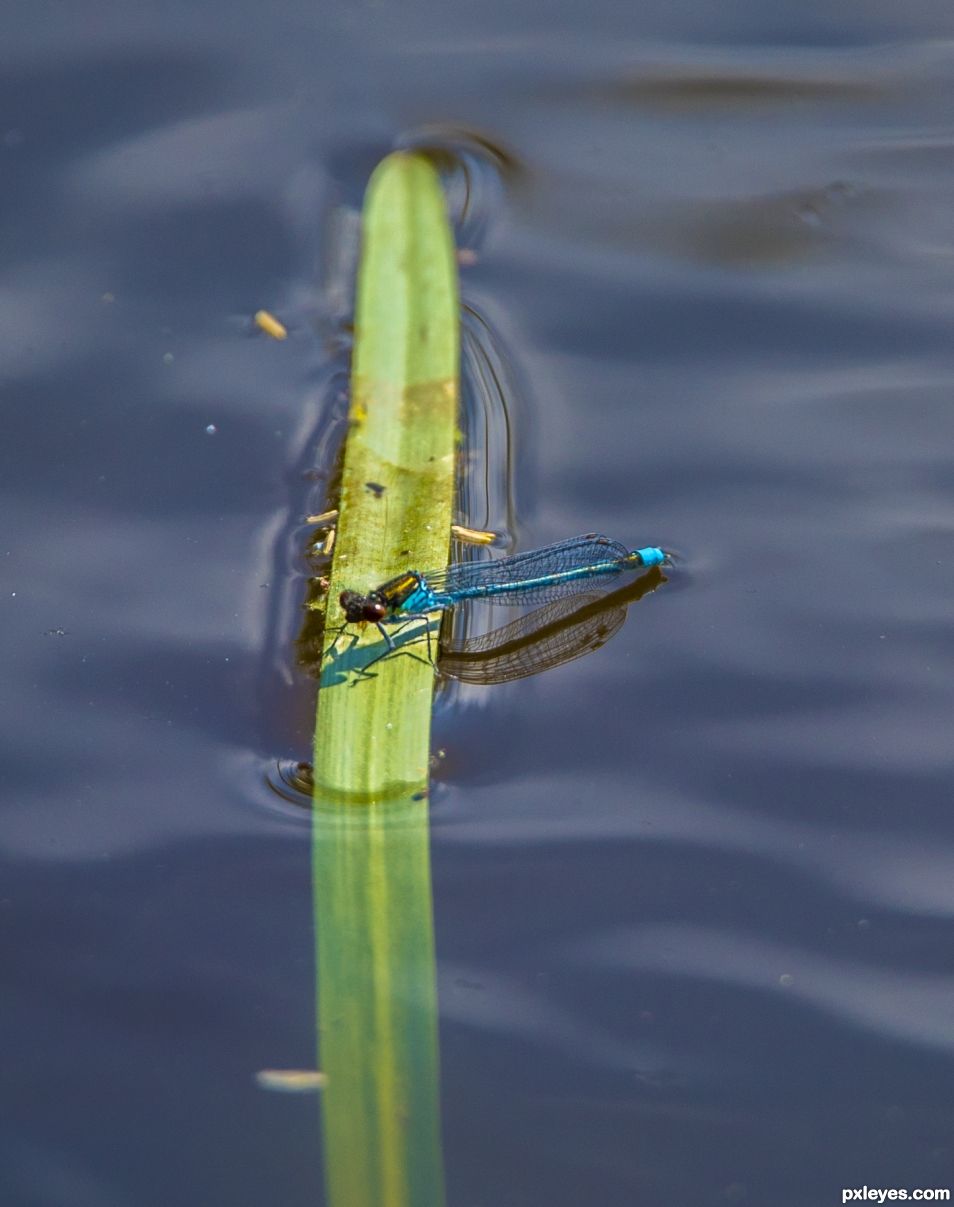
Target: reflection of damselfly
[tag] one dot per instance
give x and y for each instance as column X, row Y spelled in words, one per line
column 546, row 638
column 534, row 577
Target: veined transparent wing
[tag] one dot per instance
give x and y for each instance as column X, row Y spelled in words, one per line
column 579, row 553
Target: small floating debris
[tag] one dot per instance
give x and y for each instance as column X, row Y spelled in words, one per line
column 325, row 547
column 293, row 781
column 375, row 488
column 291, row 1081
column 473, row 536
column 326, row 518
column 268, row 323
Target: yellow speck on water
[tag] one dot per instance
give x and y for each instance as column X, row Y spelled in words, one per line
column 270, row 325
column 291, row 1081
column 473, row 536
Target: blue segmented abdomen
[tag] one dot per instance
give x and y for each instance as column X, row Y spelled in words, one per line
column 536, row 576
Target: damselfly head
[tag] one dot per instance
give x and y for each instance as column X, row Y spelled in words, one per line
column 358, row 607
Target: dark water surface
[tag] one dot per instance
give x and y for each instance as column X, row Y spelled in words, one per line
column 693, row 894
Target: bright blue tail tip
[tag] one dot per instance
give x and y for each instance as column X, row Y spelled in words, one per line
column 651, row 556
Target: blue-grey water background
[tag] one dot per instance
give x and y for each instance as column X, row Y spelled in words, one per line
column 693, row 894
